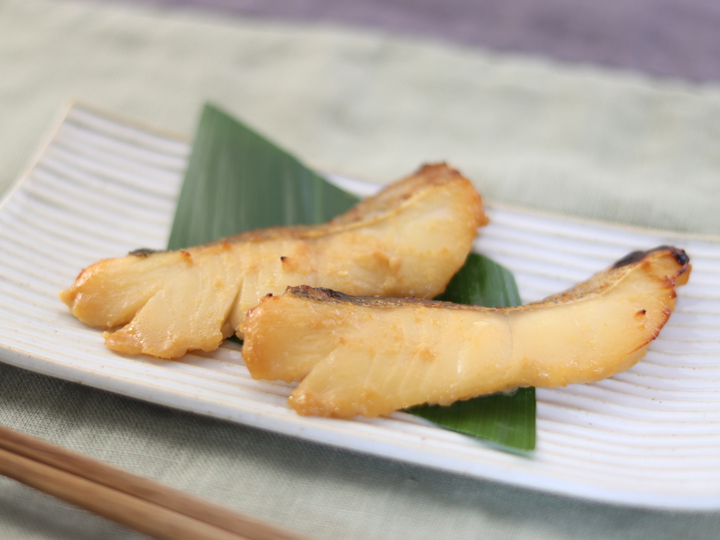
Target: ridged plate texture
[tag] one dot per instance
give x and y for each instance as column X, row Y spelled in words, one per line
column 647, row 437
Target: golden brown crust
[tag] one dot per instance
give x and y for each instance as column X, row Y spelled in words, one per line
column 375, row 208
column 371, row 355
column 408, row 240
column 595, row 285
column 606, row 279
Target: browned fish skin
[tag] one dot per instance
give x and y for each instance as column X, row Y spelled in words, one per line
column 371, row 356
column 406, row 241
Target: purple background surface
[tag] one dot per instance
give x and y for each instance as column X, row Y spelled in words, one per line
column 664, row 38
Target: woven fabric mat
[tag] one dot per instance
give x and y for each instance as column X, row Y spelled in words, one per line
column 576, row 140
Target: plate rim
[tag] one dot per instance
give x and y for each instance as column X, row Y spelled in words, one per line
column 606, row 496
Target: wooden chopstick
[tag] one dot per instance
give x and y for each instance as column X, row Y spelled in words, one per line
column 133, row 501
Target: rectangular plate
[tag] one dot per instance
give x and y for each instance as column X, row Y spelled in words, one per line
column 647, row 437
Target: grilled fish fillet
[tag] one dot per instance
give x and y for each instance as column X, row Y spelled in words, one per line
column 408, row 240
column 371, row 356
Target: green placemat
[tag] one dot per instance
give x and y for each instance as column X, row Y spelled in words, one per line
column 576, row 140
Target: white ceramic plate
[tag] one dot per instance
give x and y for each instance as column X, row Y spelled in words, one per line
column 647, row 437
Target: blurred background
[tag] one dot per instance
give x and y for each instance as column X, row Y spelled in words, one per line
column 600, row 110
column 662, row 38
column 610, row 103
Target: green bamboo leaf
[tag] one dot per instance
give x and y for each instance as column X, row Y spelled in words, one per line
column 237, row 180
column 482, row 282
column 506, row 419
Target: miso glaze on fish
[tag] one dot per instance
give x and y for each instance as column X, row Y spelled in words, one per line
column 372, row 356
column 408, row 240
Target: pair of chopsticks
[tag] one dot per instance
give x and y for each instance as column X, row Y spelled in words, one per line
column 133, row 501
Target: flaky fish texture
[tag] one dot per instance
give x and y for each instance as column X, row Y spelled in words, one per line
column 408, row 240
column 371, row 356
